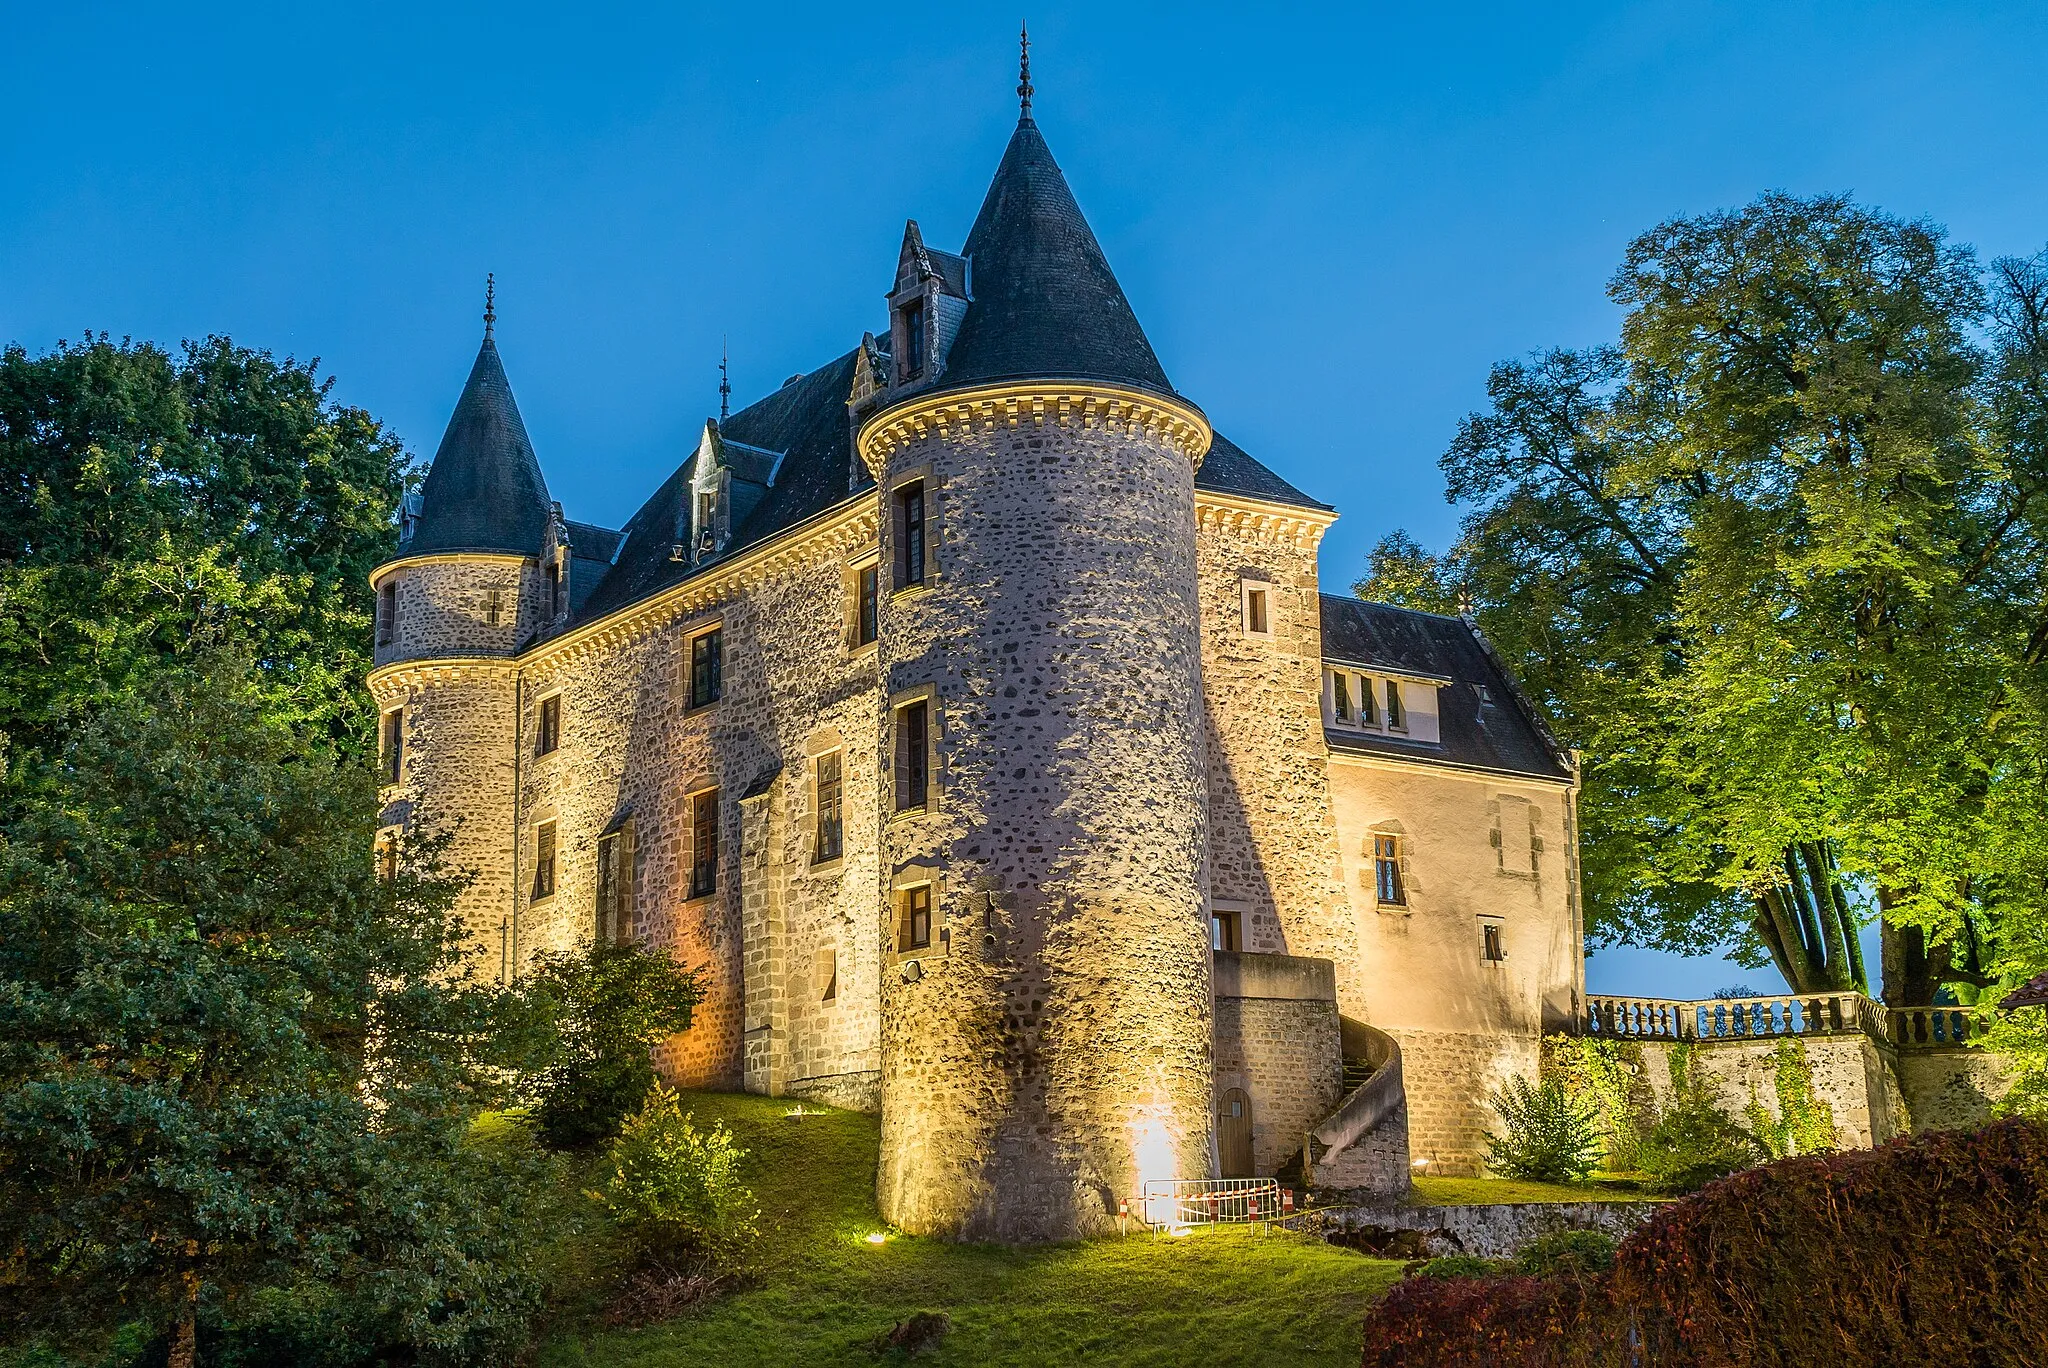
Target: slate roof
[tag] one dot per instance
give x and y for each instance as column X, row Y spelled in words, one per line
column 1229, row 469
column 1503, row 734
column 484, row 491
column 591, row 549
column 1045, row 302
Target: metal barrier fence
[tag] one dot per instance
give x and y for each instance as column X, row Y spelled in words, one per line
column 1182, row 1202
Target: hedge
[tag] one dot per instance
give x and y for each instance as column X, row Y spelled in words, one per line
column 1931, row 1249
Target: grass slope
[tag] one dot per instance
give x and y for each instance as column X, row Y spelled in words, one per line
column 1479, row 1191
column 823, row 1294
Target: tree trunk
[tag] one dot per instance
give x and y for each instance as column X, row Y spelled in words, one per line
column 1912, row 974
column 185, row 1335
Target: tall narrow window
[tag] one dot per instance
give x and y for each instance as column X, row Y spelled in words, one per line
column 831, row 839
column 917, row 918
column 544, row 861
column 1397, row 715
column 1386, row 868
column 391, row 745
column 910, row 534
column 547, row 735
column 704, row 844
column 868, row 624
column 913, row 339
column 1368, row 707
column 494, row 607
column 1258, row 617
column 1490, row 944
column 707, row 668
column 614, row 885
column 1343, row 695
column 387, row 612
column 913, row 756
column 554, row 590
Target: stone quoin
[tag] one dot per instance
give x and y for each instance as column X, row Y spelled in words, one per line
column 967, row 711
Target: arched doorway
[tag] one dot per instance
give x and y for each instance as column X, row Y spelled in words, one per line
column 1234, row 1134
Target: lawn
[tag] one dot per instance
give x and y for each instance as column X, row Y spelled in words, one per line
column 823, row 1293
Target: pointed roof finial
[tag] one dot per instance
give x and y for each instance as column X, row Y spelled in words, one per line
column 724, row 384
column 490, row 302
column 1024, row 71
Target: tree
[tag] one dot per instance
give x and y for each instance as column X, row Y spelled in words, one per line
column 232, row 1057
column 1402, row 573
column 1776, row 563
column 157, row 504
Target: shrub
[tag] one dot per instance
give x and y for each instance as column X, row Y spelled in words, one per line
column 1571, row 1253
column 600, row 1011
column 1458, row 1266
column 1694, row 1141
column 1924, row 1251
column 1548, row 1134
column 676, row 1189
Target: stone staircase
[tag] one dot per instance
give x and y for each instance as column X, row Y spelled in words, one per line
column 1362, row 1146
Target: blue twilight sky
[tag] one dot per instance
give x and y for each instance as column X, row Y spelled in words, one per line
column 1330, row 222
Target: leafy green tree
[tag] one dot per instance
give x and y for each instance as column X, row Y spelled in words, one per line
column 232, row 1058
column 158, row 504
column 1402, row 573
column 1776, row 563
column 604, row 1008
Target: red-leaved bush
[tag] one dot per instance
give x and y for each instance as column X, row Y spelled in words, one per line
column 1932, row 1249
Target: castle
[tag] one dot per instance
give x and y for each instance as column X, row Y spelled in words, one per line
column 967, row 711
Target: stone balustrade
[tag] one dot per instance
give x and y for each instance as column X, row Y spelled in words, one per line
column 1930, row 1027
column 1753, row 1018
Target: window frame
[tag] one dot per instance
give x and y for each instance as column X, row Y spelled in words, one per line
column 547, row 855
column 1226, row 930
column 907, row 898
column 703, row 878
column 1255, row 606
column 909, row 573
column 554, row 578
column 1389, row 875
column 391, row 746
column 915, row 327
column 494, row 607
column 387, row 612
column 917, row 756
column 1493, row 940
column 547, row 724
column 819, row 852
column 713, row 690
column 612, row 901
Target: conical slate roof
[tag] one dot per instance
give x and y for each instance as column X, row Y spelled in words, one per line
column 484, row 491
column 1046, row 303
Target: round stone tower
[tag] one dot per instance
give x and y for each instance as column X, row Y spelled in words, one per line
column 1045, row 1043
column 468, row 585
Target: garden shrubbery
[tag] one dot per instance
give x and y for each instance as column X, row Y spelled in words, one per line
column 1923, row 1251
column 1547, row 1135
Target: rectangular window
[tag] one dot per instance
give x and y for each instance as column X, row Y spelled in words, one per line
column 913, row 339
column 1490, row 942
column 1256, row 617
column 1397, row 716
column 615, row 885
column 707, row 668
column 1368, row 704
column 544, row 861
column 554, row 577
column 704, row 844
column 913, row 756
column 826, row 969
column 1342, row 691
column 1386, row 862
column 547, row 735
column 391, row 745
column 917, row 918
column 387, row 612
column 910, row 534
column 494, row 607
column 1226, row 931
column 867, row 625
column 831, row 838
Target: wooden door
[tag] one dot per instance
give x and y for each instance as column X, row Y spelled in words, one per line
column 1234, row 1134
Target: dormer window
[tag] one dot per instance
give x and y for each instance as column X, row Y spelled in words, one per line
column 1356, row 700
column 707, row 509
column 911, row 364
column 554, row 588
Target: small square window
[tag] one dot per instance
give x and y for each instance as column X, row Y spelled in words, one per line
column 544, row 861
column 1226, row 930
column 1490, row 945
column 707, row 668
column 547, row 733
column 1386, row 869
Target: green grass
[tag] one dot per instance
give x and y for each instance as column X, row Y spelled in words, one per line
column 1478, row 1191
column 823, row 1294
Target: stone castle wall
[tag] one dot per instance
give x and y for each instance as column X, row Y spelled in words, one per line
column 1272, row 838
column 1058, row 1051
column 1277, row 1038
